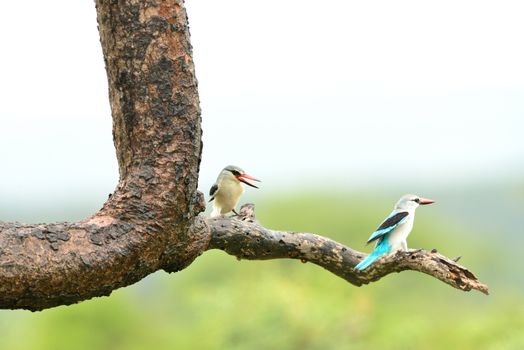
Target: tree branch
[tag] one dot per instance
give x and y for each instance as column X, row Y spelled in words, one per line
column 151, row 221
column 245, row 238
column 148, row 222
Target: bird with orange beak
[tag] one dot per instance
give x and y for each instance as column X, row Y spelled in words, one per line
column 392, row 234
column 227, row 189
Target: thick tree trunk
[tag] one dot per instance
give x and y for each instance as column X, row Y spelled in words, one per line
column 151, row 221
column 144, row 226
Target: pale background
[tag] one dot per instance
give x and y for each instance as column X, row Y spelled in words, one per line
column 294, row 91
column 339, row 107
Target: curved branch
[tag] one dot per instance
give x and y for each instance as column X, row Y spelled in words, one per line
column 146, row 224
column 151, row 221
column 245, row 238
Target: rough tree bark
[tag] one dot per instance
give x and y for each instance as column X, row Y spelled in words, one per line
column 245, row 238
column 151, row 221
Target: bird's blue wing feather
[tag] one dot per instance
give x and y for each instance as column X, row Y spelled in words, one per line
column 382, row 248
column 392, row 221
column 379, row 233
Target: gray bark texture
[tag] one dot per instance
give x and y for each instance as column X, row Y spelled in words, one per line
column 245, row 238
column 152, row 220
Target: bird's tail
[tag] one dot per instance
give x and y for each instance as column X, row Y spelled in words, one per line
column 381, row 249
column 215, row 212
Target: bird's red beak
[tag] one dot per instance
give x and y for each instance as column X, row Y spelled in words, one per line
column 424, row 201
column 243, row 177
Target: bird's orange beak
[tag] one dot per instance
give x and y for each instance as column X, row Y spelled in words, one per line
column 244, row 177
column 425, row 201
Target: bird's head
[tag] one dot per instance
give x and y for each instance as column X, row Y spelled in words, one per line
column 239, row 175
column 412, row 201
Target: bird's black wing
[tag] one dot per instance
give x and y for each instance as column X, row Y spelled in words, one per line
column 388, row 225
column 212, row 191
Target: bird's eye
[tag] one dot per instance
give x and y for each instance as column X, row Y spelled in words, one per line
column 417, row 200
column 235, row 172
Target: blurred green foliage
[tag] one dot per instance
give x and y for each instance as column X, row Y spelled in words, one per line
column 221, row 303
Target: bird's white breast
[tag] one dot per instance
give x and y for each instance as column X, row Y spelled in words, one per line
column 227, row 195
column 398, row 237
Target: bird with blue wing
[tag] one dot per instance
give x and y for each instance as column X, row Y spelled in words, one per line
column 391, row 235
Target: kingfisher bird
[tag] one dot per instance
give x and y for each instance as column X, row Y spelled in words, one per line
column 227, row 189
column 391, row 235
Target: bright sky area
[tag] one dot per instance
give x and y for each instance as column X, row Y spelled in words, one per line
column 367, row 92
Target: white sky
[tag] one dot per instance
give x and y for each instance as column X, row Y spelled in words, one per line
column 366, row 91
